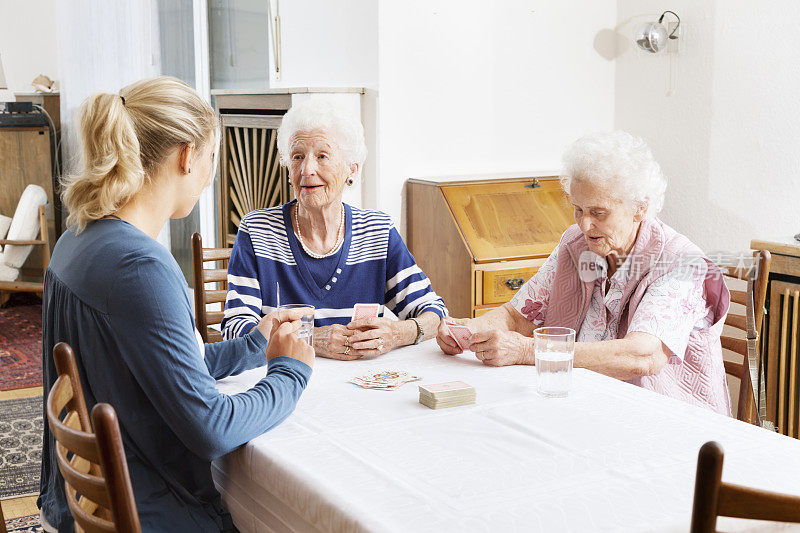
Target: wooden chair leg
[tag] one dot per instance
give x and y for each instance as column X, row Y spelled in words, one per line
column 4, row 296
column 706, row 488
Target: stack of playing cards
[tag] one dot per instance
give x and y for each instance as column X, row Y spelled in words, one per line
column 383, row 379
column 449, row 394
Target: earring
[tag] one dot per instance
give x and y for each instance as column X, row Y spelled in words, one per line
column 349, row 182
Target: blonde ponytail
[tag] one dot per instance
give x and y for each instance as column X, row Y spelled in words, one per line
column 124, row 139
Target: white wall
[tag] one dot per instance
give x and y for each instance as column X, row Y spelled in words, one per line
column 474, row 87
column 729, row 138
column 469, row 87
column 28, row 41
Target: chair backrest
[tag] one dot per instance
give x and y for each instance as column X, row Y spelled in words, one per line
column 203, row 296
column 96, row 480
column 760, row 273
column 714, row 498
column 760, row 270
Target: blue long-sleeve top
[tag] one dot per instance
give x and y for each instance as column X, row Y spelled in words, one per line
column 120, row 300
column 372, row 266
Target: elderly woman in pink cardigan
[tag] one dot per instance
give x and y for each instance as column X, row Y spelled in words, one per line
column 647, row 305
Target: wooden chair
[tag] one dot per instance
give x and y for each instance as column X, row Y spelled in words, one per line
column 202, row 296
column 96, row 481
column 714, row 498
column 2, row 521
column 29, row 286
column 760, row 271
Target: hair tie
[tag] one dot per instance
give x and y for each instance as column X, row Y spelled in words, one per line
column 123, row 99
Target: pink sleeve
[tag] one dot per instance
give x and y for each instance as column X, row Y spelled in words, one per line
column 532, row 298
column 673, row 306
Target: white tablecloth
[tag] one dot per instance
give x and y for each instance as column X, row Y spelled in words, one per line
column 610, row 457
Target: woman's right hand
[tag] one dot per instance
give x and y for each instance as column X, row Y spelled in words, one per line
column 447, row 343
column 269, row 321
column 333, row 342
column 284, row 341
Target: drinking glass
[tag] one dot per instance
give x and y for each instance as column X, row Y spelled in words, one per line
column 554, row 350
column 306, row 331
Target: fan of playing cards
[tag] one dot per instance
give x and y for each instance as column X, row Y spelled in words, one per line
column 363, row 311
column 383, row 379
column 460, row 334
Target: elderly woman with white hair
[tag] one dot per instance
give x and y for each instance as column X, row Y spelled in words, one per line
column 647, row 306
column 325, row 253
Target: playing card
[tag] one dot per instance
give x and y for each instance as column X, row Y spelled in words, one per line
column 383, row 379
column 460, row 334
column 362, row 311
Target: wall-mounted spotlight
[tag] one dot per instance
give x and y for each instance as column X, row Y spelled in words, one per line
column 654, row 36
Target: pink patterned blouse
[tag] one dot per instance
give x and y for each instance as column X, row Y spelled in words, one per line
column 672, row 307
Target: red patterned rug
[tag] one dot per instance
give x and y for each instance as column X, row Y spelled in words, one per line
column 21, row 342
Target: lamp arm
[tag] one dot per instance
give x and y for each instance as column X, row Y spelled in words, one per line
column 661, row 19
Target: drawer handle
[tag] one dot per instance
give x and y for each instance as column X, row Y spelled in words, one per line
column 514, row 283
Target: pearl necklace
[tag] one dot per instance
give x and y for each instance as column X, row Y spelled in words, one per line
column 336, row 245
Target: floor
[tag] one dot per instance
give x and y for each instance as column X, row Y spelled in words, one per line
column 26, row 505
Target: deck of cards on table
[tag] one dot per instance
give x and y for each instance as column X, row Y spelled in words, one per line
column 448, row 394
column 362, row 311
column 460, row 334
column 383, row 379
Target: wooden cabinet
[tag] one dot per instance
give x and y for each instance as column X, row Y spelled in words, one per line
column 479, row 241
column 25, row 160
column 781, row 341
column 51, row 102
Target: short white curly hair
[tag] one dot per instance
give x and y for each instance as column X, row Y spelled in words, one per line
column 317, row 114
column 620, row 163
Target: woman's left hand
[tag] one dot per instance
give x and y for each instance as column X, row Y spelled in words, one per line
column 375, row 336
column 502, row 348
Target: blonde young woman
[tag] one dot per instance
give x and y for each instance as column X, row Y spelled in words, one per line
column 119, row 298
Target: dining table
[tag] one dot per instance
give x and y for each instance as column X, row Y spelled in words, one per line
column 610, row 456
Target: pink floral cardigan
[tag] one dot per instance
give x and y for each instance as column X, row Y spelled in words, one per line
column 666, row 288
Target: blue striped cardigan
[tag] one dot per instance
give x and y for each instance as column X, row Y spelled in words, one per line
column 374, row 267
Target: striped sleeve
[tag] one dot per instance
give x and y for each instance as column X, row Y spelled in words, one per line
column 408, row 289
column 243, row 302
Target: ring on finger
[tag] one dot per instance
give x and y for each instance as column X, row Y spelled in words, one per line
column 347, row 349
column 380, row 343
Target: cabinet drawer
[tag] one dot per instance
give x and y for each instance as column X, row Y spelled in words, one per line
column 499, row 286
column 478, row 311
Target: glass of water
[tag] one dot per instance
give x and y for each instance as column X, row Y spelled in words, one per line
column 554, row 349
column 306, row 331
